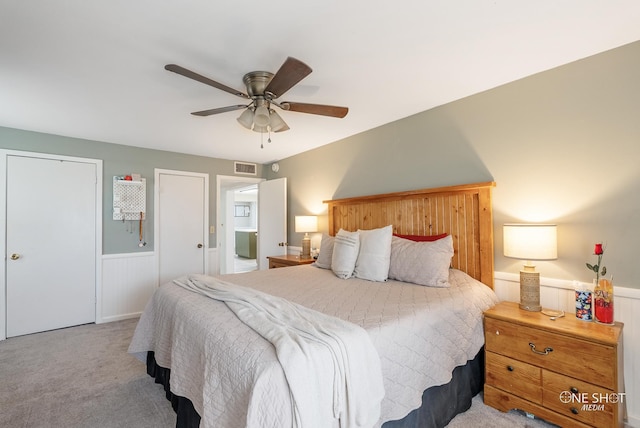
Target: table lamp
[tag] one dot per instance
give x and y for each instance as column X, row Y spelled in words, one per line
column 530, row 242
column 306, row 224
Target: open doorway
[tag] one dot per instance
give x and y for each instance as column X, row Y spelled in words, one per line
column 245, row 223
column 237, row 223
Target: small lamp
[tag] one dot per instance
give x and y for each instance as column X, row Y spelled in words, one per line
column 530, row 242
column 306, row 224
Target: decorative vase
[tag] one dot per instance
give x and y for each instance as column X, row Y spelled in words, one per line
column 603, row 301
column 584, row 302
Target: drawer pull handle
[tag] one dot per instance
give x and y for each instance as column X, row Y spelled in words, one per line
column 535, row 351
column 574, row 410
column 573, row 390
column 510, row 368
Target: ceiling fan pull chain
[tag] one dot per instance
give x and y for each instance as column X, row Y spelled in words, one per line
column 261, row 140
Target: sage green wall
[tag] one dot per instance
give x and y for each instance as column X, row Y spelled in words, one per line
column 563, row 146
column 121, row 160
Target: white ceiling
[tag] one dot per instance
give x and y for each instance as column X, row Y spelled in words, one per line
column 95, row 69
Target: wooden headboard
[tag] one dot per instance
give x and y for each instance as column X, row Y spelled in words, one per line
column 462, row 211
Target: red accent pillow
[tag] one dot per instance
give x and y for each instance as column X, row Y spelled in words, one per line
column 420, row 238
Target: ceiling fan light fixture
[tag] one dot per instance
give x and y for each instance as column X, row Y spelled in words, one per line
column 261, row 117
column 260, row 129
column 246, row 118
column 276, row 123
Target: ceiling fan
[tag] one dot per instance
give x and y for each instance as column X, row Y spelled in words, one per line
column 263, row 88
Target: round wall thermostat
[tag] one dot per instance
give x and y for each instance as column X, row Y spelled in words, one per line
column 275, row 167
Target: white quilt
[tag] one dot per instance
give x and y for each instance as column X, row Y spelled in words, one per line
column 331, row 367
column 232, row 374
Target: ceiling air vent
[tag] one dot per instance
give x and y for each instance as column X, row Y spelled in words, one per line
column 245, row 168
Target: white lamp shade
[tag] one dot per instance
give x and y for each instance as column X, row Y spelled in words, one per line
column 261, row 129
column 261, row 116
column 246, row 118
column 306, row 223
column 530, row 241
column 276, row 122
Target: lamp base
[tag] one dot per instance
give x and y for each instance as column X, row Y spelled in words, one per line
column 530, row 291
column 306, row 247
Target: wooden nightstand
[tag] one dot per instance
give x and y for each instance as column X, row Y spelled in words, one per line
column 568, row 372
column 288, row 260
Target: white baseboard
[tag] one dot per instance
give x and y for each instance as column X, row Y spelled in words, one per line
column 119, row 317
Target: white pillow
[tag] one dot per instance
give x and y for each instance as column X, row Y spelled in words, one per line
column 326, row 252
column 423, row 263
column 375, row 254
column 345, row 253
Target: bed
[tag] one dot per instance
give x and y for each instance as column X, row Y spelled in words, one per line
column 428, row 340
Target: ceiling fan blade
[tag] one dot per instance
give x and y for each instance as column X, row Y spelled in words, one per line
column 291, row 72
column 195, row 76
column 218, row 110
column 333, row 111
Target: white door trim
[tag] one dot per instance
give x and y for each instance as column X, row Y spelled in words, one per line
column 3, row 221
column 156, row 210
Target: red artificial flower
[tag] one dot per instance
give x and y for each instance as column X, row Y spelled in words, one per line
column 598, row 268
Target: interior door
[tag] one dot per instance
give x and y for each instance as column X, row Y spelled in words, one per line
column 272, row 220
column 227, row 232
column 50, row 244
column 181, row 218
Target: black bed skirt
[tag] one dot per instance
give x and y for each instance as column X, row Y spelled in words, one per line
column 187, row 415
column 440, row 404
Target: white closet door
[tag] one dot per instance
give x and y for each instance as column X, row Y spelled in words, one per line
column 182, row 220
column 51, row 244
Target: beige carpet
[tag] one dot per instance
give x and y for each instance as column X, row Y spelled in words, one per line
column 78, row 377
column 83, row 377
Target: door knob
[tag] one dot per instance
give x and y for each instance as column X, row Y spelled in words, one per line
column 15, row 256
column 199, row 245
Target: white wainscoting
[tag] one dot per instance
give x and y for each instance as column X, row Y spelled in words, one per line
column 559, row 294
column 129, row 280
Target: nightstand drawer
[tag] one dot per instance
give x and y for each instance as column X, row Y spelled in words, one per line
column 274, row 264
column 556, row 352
column 587, row 403
column 518, row 378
